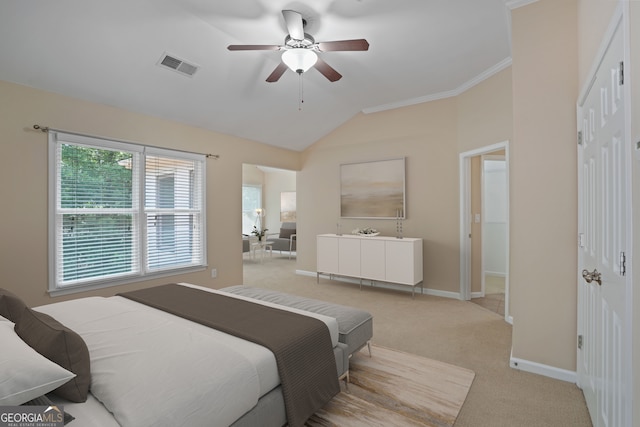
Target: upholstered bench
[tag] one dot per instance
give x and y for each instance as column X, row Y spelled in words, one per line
column 355, row 326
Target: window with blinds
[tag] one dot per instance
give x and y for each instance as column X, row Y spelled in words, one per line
column 121, row 212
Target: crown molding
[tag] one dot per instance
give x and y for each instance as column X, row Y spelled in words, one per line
column 442, row 95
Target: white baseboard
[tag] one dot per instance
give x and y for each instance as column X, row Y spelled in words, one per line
column 306, row 273
column 401, row 288
column 540, row 369
column 495, row 273
column 444, row 294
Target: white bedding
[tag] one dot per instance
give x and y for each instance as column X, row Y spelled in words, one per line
column 151, row 368
column 91, row 413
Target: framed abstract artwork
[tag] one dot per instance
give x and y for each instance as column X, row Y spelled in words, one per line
column 288, row 206
column 373, row 189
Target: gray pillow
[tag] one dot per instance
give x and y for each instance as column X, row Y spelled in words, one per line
column 61, row 345
column 11, row 307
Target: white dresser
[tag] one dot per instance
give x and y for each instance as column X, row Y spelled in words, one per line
column 378, row 258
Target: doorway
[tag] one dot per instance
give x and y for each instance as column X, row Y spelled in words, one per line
column 484, row 227
column 266, row 207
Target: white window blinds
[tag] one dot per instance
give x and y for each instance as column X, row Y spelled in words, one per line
column 121, row 211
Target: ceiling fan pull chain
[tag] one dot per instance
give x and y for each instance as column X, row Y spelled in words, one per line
column 300, row 92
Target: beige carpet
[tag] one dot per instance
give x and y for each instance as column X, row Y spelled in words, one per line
column 456, row 332
column 393, row 388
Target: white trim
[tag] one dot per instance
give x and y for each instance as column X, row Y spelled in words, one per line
column 444, row 294
column 604, row 46
column 465, row 221
column 540, row 369
column 465, row 226
column 483, row 222
column 620, row 18
column 385, row 285
column 514, row 4
column 505, row 63
column 629, row 392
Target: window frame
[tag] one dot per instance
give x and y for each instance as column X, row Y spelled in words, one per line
column 139, row 214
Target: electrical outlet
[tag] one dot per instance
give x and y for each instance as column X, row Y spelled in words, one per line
column 214, row 273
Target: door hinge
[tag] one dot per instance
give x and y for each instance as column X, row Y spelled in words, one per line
column 623, row 264
column 579, row 342
column 579, row 137
column 581, row 240
column 621, row 74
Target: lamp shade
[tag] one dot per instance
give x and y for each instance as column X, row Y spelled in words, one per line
column 299, row 59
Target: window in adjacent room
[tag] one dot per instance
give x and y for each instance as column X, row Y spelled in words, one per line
column 251, row 200
column 121, row 212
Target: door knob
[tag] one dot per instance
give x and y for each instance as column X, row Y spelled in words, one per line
column 593, row 276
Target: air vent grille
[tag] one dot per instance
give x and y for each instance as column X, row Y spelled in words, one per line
column 178, row 65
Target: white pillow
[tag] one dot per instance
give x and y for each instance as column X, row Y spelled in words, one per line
column 24, row 373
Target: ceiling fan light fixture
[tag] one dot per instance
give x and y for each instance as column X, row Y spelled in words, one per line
column 299, row 60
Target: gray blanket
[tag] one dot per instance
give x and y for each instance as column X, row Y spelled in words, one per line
column 301, row 344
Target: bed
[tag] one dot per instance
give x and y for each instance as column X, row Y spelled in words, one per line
column 151, row 367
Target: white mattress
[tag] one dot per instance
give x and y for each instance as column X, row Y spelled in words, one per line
column 91, row 413
column 150, row 341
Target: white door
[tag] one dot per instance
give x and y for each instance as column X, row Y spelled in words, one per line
column 602, row 318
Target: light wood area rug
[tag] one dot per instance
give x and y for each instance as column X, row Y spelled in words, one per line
column 393, row 388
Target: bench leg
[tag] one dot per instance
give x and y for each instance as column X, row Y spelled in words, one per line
column 369, row 347
column 346, row 379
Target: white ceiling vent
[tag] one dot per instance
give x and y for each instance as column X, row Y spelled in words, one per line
column 176, row 64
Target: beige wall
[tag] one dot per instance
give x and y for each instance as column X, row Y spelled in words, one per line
column 273, row 183
column 252, row 175
column 430, row 136
column 532, row 104
column 485, row 114
column 426, row 135
column 544, row 187
column 276, row 182
column 593, row 20
column 23, row 183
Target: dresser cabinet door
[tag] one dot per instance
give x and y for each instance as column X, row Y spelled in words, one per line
column 327, row 255
column 372, row 256
column 349, row 253
column 399, row 262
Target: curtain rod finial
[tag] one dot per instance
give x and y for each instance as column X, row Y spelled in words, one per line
column 40, row 128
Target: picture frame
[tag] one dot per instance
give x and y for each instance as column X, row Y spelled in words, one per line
column 373, row 189
column 288, row 206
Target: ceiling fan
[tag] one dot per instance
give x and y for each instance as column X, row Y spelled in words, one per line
column 300, row 49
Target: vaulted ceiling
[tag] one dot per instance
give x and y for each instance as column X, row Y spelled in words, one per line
column 108, row 52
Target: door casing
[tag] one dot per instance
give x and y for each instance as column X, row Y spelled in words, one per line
column 465, row 221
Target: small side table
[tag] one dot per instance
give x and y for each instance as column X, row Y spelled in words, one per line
column 262, row 246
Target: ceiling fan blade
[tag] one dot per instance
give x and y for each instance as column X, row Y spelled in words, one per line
column 294, row 23
column 277, row 73
column 327, row 70
column 253, row 47
column 357, row 44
